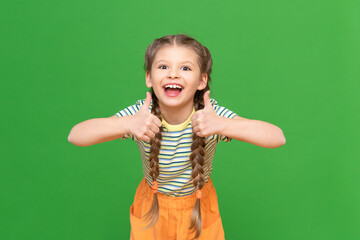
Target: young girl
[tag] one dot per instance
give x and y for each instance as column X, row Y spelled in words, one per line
column 176, row 128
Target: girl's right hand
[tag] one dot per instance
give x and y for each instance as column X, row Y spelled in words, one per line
column 144, row 125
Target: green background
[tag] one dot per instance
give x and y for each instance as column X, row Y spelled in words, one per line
column 294, row 64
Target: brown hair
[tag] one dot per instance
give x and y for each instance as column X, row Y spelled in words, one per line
column 197, row 155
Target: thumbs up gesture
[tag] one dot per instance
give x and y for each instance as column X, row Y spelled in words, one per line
column 144, row 125
column 206, row 122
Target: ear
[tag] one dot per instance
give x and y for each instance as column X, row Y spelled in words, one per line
column 203, row 81
column 148, row 79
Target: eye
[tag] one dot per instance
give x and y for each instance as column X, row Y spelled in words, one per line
column 187, row 68
column 162, row 66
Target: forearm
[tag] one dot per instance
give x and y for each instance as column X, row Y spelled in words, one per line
column 98, row 130
column 256, row 132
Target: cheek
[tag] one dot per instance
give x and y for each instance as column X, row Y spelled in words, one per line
column 190, row 75
column 158, row 71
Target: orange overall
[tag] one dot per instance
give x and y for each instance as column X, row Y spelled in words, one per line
column 174, row 215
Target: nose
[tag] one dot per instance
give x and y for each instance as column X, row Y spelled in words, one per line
column 173, row 73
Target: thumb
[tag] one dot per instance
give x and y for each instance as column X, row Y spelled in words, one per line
column 147, row 102
column 207, row 99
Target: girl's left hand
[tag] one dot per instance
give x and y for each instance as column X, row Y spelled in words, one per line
column 206, row 122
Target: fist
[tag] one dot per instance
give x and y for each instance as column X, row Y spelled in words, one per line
column 206, row 122
column 144, row 125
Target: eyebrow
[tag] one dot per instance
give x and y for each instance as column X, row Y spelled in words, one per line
column 161, row 60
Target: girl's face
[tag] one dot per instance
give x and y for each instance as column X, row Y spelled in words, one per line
column 176, row 65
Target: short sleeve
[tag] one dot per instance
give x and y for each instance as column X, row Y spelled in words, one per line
column 223, row 112
column 131, row 110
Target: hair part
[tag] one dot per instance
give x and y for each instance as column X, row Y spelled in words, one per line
column 197, row 156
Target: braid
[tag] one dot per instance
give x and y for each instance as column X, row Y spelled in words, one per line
column 155, row 143
column 197, row 158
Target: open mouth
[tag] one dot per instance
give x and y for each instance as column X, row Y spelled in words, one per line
column 172, row 90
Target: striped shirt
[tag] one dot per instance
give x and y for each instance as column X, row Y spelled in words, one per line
column 174, row 156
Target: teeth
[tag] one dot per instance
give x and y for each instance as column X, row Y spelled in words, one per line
column 172, row 86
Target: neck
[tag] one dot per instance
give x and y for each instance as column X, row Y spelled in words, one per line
column 176, row 115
